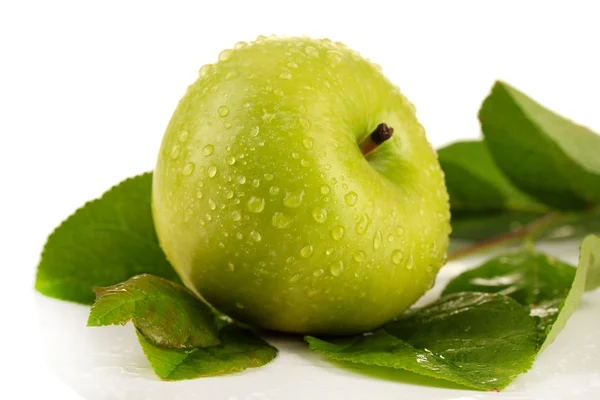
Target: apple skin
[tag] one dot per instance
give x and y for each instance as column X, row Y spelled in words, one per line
column 266, row 207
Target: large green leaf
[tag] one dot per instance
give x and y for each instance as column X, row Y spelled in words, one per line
column 105, row 242
column 475, row 183
column 479, row 340
column 542, row 153
column 239, row 349
column 166, row 313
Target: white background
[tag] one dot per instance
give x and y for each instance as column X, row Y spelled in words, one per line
column 87, row 89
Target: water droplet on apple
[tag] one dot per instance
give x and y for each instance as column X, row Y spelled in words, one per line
column 311, row 51
column 225, row 54
column 280, row 220
column 256, row 236
column 231, row 266
column 285, row 75
column 390, row 238
column 208, row 150
column 184, row 135
column 230, row 160
column 319, row 214
column 377, row 240
column 175, row 151
column 223, row 111
column 256, row 204
column 292, row 64
column 212, row 171
column 205, row 69
column 211, row 204
column 231, row 75
column 335, row 57
column 239, row 235
column 363, row 224
column 329, row 251
column 239, row 305
column 304, row 162
column 241, row 179
column 295, row 155
column 325, row 189
column 295, row 278
column 359, row 256
column 337, row 232
column 199, row 194
column 227, row 125
column 274, row 190
column 188, row 169
column 397, row 257
column 351, row 198
column 400, row 231
column 268, row 177
column 236, row 215
column 304, row 122
column 228, row 194
column 306, row 251
column 255, row 131
column 293, row 199
column 308, row 143
column 318, row 272
column 336, row 268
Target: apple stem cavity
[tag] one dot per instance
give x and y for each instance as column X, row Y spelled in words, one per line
column 377, row 137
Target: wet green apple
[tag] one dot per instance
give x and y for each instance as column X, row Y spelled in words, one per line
column 267, row 207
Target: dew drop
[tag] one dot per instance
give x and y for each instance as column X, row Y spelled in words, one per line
column 329, row 251
column 240, row 45
column 228, row 194
column 336, row 268
column 293, row 199
column 208, row 150
column 335, row 57
column 351, row 198
column 236, row 215
column 175, row 151
column 280, row 220
column 359, row 256
column 308, row 143
column 188, row 169
column 318, row 272
column 230, row 160
column 255, row 183
column 239, row 305
column 319, row 214
column 285, row 75
column 199, row 194
column 400, row 231
column 292, row 64
column 295, row 156
column 255, row 131
column 325, row 189
column 268, row 177
column 304, row 162
column 211, row 204
column 311, row 51
column 295, row 278
column 306, row 251
column 390, row 238
column 397, row 257
column 231, row 266
column 231, row 75
column 377, row 240
column 204, row 69
column 227, row 125
column 304, row 122
column 363, row 224
column 239, row 235
column 274, row 190
column 241, row 179
column 256, row 204
column 212, row 171
column 223, row 111
column 337, row 232
column 255, row 236
column 184, row 135
column 225, row 54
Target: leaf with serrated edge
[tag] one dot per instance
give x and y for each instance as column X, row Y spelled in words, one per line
column 239, row 349
column 479, row 340
column 105, row 242
column 166, row 313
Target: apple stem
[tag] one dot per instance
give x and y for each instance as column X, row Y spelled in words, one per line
column 378, row 136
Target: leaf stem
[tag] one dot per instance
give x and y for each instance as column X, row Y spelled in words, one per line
column 527, row 232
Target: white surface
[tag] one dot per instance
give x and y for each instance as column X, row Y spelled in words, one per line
column 108, row 363
column 86, row 90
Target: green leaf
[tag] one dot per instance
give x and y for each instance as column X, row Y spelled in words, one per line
column 533, row 279
column 480, row 340
column 239, row 349
column 475, row 183
column 542, row 153
column 586, row 278
column 105, row 242
column 482, row 226
column 166, row 313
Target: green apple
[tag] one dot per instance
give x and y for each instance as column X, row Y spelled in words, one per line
column 266, row 206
